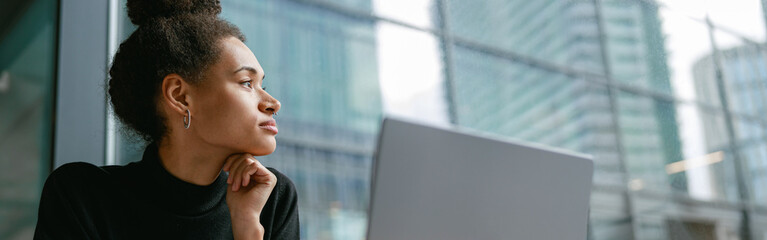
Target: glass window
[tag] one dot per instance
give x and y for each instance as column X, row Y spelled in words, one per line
column 128, row 147
column 27, row 65
column 743, row 17
column 744, row 71
column 663, row 218
column 507, row 98
column 650, row 47
column 650, row 138
column 681, row 149
column 318, row 62
column 609, row 216
column 760, row 225
column 338, row 66
column 419, row 13
column 690, row 8
column 356, row 5
column 411, row 74
column 752, row 146
column 687, row 49
column 721, row 180
column 560, row 32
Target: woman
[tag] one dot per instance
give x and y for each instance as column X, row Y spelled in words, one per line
column 186, row 82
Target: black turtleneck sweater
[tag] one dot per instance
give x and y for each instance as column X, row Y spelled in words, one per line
column 144, row 201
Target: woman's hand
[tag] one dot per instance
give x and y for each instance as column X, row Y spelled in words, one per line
column 251, row 184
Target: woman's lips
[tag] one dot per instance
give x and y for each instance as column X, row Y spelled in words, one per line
column 270, row 125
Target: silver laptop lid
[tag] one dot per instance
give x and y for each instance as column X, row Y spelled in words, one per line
column 438, row 183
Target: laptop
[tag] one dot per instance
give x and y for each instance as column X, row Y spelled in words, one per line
column 446, row 183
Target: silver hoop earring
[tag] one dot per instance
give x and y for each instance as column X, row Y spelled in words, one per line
column 187, row 119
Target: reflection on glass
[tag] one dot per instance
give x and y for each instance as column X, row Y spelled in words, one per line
column 744, row 70
column 322, row 66
column 27, row 58
column 502, row 97
column 411, row 74
column 325, row 64
column 560, row 32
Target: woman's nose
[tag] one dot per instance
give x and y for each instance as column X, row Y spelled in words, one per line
column 269, row 105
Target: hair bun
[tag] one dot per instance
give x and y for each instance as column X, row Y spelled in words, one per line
column 141, row 11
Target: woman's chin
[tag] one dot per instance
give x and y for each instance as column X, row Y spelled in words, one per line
column 264, row 149
column 261, row 153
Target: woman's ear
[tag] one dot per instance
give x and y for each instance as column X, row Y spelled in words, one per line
column 175, row 93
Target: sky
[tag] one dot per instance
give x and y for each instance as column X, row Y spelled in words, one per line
column 410, row 64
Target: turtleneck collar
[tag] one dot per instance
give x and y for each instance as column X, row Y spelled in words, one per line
column 175, row 195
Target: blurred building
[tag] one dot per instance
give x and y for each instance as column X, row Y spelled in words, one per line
column 542, row 103
column 745, row 77
column 603, row 77
column 587, row 76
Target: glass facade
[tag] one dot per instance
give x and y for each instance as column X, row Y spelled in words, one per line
column 634, row 83
column 27, row 67
column 668, row 96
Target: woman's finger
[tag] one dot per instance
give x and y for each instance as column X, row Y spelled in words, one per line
column 246, row 174
column 262, row 171
column 228, row 165
column 236, row 173
column 232, row 173
column 255, row 167
column 245, row 177
column 264, row 176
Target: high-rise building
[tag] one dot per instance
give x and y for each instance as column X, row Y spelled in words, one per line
column 523, row 86
column 541, row 103
column 636, row 56
column 745, row 86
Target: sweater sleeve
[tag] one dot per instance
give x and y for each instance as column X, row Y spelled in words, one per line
column 59, row 214
column 286, row 223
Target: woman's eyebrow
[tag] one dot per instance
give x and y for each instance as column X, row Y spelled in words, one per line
column 250, row 69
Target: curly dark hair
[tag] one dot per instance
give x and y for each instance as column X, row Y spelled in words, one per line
column 173, row 36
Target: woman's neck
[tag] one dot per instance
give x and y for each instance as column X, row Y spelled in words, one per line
column 192, row 161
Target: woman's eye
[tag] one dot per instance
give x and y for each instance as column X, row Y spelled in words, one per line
column 247, row 84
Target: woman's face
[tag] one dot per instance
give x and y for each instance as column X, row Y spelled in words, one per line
column 229, row 108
